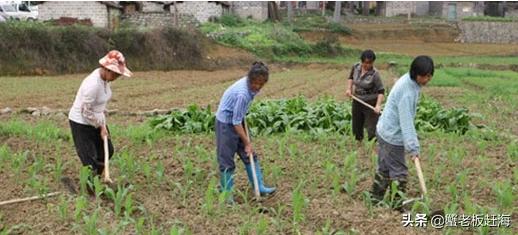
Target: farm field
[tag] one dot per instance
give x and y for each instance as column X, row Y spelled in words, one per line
column 168, row 180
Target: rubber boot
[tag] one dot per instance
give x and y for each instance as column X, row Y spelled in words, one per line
column 227, row 183
column 379, row 187
column 262, row 189
column 397, row 203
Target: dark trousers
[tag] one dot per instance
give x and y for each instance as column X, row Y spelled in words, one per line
column 89, row 146
column 391, row 161
column 228, row 144
column 364, row 117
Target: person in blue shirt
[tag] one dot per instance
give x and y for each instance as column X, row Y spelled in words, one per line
column 231, row 136
column 396, row 132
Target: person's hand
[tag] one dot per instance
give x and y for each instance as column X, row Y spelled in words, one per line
column 248, row 149
column 348, row 93
column 104, row 132
column 377, row 109
column 415, row 157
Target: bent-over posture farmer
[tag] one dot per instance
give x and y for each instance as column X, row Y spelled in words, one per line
column 231, row 136
column 369, row 88
column 87, row 116
column 396, row 133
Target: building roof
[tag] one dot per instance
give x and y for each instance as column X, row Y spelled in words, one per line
column 112, row 4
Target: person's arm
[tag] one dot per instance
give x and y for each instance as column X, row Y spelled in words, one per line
column 406, row 122
column 379, row 101
column 349, row 88
column 96, row 119
column 238, row 116
column 244, row 137
column 381, row 92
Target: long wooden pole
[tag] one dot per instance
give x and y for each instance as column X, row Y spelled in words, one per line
column 252, row 164
column 29, row 198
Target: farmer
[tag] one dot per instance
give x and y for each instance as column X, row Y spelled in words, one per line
column 87, row 116
column 231, row 136
column 396, row 133
column 369, row 88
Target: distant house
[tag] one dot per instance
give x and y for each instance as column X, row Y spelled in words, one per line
column 202, row 11
column 131, row 7
column 390, row 9
column 456, row 10
column 511, row 9
column 253, row 9
column 101, row 14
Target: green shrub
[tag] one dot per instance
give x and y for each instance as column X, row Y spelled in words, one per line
column 339, row 28
column 323, row 116
column 489, row 19
column 40, row 48
column 230, row 20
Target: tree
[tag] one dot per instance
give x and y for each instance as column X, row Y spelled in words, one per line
column 290, row 11
column 365, row 8
column 338, row 12
column 323, row 8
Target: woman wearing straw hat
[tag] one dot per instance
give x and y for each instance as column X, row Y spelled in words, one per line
column 87, row 115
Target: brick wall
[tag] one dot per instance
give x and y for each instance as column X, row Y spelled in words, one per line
column 152, row 7
column 159, row 19
column 256, row 10
column 95, row 11
column 489, row 32
column 399, row 8
column 201, row 11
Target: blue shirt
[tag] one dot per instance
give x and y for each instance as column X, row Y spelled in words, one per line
column 235, row 102
column 396, row 124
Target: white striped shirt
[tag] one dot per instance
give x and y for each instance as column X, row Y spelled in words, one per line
column 235, row 102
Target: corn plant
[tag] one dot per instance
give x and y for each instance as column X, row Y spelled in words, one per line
column 90, row 222
column 119, row 197
column 210, row 198
column 5, row 155
column 261, row 226
column 183, row 190
column 351, row 173
column 367, row 201
column 128, row 165
column 97, row 186
column 80, row 205
column 139, row 225
column 58, row 168
column 277, row 213
column 160, row 172
column 146, row 170
column 504, row 194
column 84, row 176
column 62, row 208
column 176, row 230
column 299, row 203
column 462, row 179
column 18, row 161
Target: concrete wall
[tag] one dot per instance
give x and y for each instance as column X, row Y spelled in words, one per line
column 95, row 11
column 152, row 7
column 201, row 11
column 463, row 9
column 158, row 19
column 422, row 8
column 488, row 32
column 257, row 10
column 399, row 8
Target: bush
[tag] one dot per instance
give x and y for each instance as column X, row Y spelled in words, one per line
column 40, row 48
column 230, row 20
column 489, row 19
column 324, row 115
column 339, row 28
